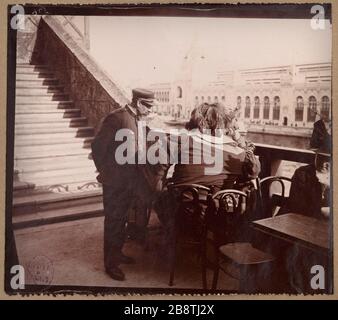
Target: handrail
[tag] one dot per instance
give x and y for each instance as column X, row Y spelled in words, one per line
column 75, row 28
column 271, row 152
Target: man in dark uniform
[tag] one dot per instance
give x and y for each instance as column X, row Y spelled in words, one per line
column 321, row 134
column 120, row 182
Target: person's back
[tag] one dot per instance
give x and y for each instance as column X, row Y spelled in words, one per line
column 212, row 161
column 207, row 157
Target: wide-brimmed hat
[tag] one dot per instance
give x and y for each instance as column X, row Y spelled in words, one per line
column 145, row 97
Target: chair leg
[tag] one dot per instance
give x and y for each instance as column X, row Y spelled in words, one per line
column 216, row 270
column 204, row 262
column 172, row 264
column 173, row 241
column 243, row 286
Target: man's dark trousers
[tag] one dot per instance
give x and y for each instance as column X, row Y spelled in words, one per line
column 116, row 203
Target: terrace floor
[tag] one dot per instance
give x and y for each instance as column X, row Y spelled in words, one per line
column 75, row 252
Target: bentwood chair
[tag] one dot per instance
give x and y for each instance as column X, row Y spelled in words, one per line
column 234, row 254
column 272, row 200
column 189, row 223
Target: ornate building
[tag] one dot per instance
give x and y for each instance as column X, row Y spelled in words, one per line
column 291, row 95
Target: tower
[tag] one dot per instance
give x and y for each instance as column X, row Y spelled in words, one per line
column 193, row 73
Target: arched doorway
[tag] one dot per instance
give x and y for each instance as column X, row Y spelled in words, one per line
column 179, row 92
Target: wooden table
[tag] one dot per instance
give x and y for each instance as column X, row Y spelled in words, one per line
column 306, row 231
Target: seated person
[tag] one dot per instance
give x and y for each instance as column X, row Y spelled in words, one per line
column 310, row 188
column 206, row 136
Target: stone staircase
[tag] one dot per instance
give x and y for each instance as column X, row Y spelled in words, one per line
column 54, row 176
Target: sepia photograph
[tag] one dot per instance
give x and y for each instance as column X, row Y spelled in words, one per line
column 169, row 149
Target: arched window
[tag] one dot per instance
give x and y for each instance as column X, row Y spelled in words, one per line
column 223, row 98
column 325, row 108
column 209, row 99
column 239, row 102
column 196, row 100
column 247, row 107
column 266, row 109
column 276, row 108
column 312, row 109
column 299, row 112
column 202, row 98
column 179, row 92
column 256, row 108
column 215, row 99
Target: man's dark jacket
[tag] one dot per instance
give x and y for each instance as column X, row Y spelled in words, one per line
column 320, row 137
column 143, row 177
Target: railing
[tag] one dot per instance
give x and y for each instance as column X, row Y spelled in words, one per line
column 271, row 156
column 78, row 28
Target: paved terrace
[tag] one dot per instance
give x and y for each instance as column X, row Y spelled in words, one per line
column 75, row 250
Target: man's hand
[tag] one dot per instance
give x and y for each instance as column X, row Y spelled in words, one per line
column 325, row 212
column 323, row 178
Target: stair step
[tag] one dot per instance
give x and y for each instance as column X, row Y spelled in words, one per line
column 34, row 76
column 46, row 153
column 43, row 103
column 28, row 66
column 40, row 93
column 42, row 151
column 58, row 215
column 36, row 111
column 45, row 98
column 55, row 135
column 35, row 140
column 77, row 132
column 38, row 96
column 33, row 148
column 42, row 120
column 55, row 124
column 65, row 115
column 55, row 168
column 33, row 70
column 33, row 176
column 37, row 82
column 44, row 200
column 51, row 163
column 38, row 90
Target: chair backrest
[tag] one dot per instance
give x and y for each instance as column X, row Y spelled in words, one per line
column 226, row 215
column 270, row 200
column 231, row 201
column 194, row 190
column 192, row 202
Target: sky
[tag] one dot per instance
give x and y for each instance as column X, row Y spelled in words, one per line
column 138, row 51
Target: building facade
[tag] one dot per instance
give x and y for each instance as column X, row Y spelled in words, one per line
column 292, row 95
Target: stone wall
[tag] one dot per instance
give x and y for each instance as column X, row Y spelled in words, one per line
column 26, row 41
column 87, row 84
